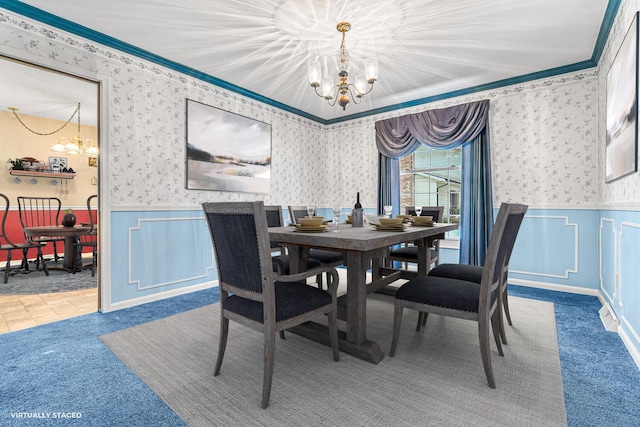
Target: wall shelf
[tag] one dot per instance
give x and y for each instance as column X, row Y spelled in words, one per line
column 36, row 174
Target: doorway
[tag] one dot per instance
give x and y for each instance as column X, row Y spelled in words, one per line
column 41, row 108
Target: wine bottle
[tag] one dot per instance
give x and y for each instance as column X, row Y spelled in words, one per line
column 358, row 219
column 358, row 205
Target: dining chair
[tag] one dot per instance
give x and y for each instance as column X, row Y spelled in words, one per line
column 41, row 212
column 326, row 257
column 89, row 239
column 408, row 253
column 464, row 299
column 281, row 261
column 251, row 294
column 473, row 273
column 8, row 245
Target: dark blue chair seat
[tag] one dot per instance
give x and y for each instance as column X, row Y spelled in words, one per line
column 292, row 299
column 470, row 273
column 284, row 263
column 326, row 257
column 411, row 252
column 442, row 292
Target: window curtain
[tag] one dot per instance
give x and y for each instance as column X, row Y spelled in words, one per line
column 464, row 125
column 388, row 180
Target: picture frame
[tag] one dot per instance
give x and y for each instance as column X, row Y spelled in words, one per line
column 56, row 164
column 226, row 151
column 621, row 150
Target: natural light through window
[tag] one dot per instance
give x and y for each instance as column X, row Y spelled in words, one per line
column 430, row 177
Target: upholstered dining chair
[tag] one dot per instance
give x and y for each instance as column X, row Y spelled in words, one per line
column 408, row 253
column 326, row 257
column 251, row 294
column 41, row 212
column 281, row 262
column 464, row 299
column 8, row 245
column 89, row 239
column 473, row 273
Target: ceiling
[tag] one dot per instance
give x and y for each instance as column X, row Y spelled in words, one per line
column 426, row 49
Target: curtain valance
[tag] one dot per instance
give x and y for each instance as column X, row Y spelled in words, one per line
column 441, row 128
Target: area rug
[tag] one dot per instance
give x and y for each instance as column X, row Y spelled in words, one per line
column 35, row 282
column 436, row 377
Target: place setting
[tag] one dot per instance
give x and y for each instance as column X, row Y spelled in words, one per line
column 315, row 224
column 389, row 224
column 422, row 221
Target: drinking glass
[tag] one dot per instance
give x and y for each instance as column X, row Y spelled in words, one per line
column 337, row 210
column 418, row 210
column 388, row 210
column 311, row 210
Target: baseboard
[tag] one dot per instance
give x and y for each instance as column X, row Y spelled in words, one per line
column 159, row 296
column 556, row 287
column 635, row 354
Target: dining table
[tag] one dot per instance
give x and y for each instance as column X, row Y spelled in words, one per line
column 363, row 248
column 70, row 235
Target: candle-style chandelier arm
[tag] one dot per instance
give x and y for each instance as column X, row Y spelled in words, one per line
column 343, row 92
column 14, row 110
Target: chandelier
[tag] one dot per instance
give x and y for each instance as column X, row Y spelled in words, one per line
column 343, row 92
column 73, row 147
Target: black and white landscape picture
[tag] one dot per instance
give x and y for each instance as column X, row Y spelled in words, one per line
column 226, row 151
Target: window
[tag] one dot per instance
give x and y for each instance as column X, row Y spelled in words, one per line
column 430, row 177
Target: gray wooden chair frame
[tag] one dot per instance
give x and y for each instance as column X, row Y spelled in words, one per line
column 435, row 250
column 473, row 273
column 234, row 284
column 488, row 310
column 326, row 257
column 88, row 240
column 7, row 245
column 41, row 212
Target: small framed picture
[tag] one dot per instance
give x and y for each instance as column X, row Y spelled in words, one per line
column 56, row 164
column 93, row 162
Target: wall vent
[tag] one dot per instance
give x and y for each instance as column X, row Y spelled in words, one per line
column 608, row 318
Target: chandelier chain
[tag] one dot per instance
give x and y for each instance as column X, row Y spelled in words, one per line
column 77, row 111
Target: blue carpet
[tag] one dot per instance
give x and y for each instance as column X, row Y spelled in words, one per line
column 600, row 379
column 63, row 368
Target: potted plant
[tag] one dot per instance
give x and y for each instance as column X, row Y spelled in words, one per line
column 69, row 219
column 17, row 164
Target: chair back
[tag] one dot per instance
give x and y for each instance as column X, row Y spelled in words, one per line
column 297, row 212
column 274, row 219
column 241, row 244
column 91, row 235
column 437, row 212
column 503, row 236
column 4, row 239
column 39, row 211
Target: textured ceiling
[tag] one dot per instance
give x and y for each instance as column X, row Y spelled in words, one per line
column 425, row 48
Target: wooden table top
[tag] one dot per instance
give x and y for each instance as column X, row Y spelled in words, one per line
column 355, row 238
column 56, row 230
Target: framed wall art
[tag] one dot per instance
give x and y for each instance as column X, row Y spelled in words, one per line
column 622, row 109
column 226, row 151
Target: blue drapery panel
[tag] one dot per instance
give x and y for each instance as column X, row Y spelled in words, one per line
column 464, row 125
column 388, row 180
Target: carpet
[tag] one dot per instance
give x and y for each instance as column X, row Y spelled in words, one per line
column 35, row 282
column 436, row 377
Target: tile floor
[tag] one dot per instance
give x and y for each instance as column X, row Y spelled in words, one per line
column 25, row 311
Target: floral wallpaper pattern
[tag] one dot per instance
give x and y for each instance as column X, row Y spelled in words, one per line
column 545, row 135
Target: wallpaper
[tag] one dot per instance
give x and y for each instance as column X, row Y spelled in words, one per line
column 544, row 134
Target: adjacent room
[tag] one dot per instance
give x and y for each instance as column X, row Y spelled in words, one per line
column 320, row 213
